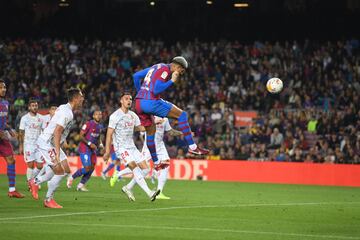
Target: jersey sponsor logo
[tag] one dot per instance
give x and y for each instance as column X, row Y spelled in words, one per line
column 129, row 124
column 95, row 135
column 164, row 75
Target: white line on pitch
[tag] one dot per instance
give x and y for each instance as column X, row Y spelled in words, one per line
column 176, row 208
column 234, row 231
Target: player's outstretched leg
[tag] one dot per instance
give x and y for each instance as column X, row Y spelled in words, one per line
column 118, row 175
column 86, row 160
column 127, row 189
column 11, row 174
column 109, row 167
column 61, row 170
column 85, row 178
column 140, row 180
column 184, row 127
column 44, row 175
column 162, row 178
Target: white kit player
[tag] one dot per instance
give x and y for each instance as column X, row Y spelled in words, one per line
column 120, row 132
column 162, row 126
column 29, row 131
column 46, row 120
column 49, row 143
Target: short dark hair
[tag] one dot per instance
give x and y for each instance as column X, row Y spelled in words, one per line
column 126, row 92
column 72, row 92
column 32, row 100
column 2, row 81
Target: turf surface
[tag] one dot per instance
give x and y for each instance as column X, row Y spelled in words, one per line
column 197, row 210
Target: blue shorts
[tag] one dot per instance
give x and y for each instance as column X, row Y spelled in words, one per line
column 145, row 108
column 88, row 159
column 114, row 157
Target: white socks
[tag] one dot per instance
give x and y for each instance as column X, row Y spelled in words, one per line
column 162, row 178
column 29, row 173
column 35, row 172
column 45, row 177
column 124, row 172
column 140, row 180
column 53, row 184
column 132, row 183
column 193, row 146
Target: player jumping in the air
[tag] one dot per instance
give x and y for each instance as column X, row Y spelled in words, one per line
column 90, row 136
column 148, row 103
column 6, row 149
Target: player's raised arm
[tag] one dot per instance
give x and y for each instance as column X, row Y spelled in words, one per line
column 138, row 76
column 161, row 86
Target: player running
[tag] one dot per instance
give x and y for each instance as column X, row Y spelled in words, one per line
column 49, row 143
column 6, row 149
column 148, row 103
column 90, row 137
column 29, row 131
column 122, row 124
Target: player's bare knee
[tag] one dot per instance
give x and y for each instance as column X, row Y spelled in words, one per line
column 132, row 165
column 39, row 165
column 10, row 160
column 150, row 130
column 30, row 164
column 57, row 169
column 87, row 168
column 143, row 165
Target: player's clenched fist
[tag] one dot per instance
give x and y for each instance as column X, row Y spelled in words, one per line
column 175, row 76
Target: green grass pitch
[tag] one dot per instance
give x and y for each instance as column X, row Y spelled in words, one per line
column 197, row 210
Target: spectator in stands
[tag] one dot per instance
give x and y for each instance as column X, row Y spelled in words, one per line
column 276, row 139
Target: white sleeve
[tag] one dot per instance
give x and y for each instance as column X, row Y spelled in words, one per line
column 113, row 120
column 44, row 120
column 137, row 120
column 61, row 119
column 167, row 126
column 22, row 123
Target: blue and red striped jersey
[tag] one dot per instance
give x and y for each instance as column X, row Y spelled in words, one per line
column 4, row 111
column 92, row 132
column 158, row 72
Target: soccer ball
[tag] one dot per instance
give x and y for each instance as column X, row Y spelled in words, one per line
column 274, row 85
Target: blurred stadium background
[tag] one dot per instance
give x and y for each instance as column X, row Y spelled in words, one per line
column 306, row 134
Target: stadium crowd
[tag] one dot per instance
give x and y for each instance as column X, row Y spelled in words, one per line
column 316, row 118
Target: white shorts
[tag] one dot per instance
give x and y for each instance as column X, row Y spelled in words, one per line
column 161, row 153
column 31, row 154
column 127, row 155
column 47, row 152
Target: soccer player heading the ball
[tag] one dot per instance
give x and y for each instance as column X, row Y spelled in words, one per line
column 157, row 79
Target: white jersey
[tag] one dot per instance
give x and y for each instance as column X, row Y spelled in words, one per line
column 64, row 117
column 123, row 125
column 162, row 126
column 32, row 126
column 46, row 121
